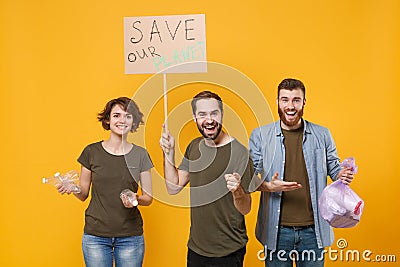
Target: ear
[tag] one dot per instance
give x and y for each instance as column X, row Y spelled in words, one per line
column 194, row 117
column 304, row 102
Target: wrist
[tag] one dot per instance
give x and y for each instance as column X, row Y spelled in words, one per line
column 239, row 192
column 170, row 158
column 266, row 187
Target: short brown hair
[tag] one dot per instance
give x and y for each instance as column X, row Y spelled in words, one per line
column 206, row 95
column 127, row 105
column 292, row 84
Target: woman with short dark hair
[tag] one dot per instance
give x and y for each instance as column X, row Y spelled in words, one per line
column 113, row 225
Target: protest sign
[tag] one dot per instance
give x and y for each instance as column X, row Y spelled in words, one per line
column 162, row 44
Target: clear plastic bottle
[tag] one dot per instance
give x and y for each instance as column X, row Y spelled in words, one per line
column 130, row 196
column 68, row 180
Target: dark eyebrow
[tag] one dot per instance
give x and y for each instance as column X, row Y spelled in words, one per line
column 120, row 113
column 212, row 111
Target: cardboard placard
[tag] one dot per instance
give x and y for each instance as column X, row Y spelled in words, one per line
column 163, row 44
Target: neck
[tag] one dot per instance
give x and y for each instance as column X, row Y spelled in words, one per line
column 222, row 139
column 117, row 144
column 294, row 127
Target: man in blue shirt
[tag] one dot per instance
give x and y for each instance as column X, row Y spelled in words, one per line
column 294, row 158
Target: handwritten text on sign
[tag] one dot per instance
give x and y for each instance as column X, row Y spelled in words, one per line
column 155, row 44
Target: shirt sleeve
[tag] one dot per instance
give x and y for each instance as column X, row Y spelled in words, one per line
column 255, row 150
column 147, row 163
column 333, row 161
column 84, row 158
column 185, row 161
column 247, row 177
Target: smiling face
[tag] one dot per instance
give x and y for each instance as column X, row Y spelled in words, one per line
column 290, row 108
column 120, row 121
column 208, row 117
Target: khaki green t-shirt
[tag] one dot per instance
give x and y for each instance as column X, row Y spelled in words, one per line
column 106, row 216
column 217, row 227
column 296, row 207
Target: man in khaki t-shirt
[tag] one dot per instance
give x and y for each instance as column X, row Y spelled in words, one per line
column 220, row 171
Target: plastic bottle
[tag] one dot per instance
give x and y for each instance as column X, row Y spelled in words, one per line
column 68, row 180
column 130, row 196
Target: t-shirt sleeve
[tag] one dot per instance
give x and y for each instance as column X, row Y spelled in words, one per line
column 147, row 164
column 84, row 158
column 185, row 161
column 247, row 176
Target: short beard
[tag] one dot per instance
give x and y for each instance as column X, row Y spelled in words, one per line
column 299, row 115
column 213, row 137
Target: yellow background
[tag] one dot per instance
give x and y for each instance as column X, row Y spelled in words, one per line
column 61, row 61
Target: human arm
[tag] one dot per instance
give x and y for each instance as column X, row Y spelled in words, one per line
column 146, row 198
column 333, row 163
column 277, row 185
column 255, row 150
column 257, row 156
column 85, row 180
column 332, row 159
column 241, row 199
column 175, row 179
column 346, row 175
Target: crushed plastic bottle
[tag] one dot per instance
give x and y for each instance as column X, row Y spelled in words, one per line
column 130, row 196
column 68, row 180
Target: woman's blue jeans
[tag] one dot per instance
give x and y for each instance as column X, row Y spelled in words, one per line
column 100, row 251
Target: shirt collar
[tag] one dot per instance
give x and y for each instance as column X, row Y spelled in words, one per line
column 278, row 129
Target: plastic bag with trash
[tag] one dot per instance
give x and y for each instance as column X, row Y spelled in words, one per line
column 339, row 205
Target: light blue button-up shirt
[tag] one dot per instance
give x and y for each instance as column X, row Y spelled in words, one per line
column 268, row 153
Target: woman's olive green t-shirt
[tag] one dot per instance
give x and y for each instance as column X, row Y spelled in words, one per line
column 106, row 216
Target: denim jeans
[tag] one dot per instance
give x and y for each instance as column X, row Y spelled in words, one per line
column 296, row 244
column 100, row 251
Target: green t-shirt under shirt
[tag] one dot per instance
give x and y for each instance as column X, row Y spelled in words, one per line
column 296, row 207
column 106, row 216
